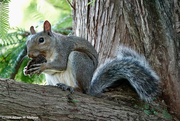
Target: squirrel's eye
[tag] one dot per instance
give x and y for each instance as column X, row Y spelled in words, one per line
column 41, row 40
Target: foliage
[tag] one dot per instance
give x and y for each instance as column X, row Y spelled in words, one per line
column 41, row 10
column 12, row 44
column 4, row 25
column 64, row 25
column 5, row 1
column 61, row 5
column 11, row 49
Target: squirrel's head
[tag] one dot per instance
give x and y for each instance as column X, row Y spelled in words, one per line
column 39, row 43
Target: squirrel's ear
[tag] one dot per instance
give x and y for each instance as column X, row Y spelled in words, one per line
column 47, row 27
column 32, row 30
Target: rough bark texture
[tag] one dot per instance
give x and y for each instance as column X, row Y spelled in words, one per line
column 150, row 27
column 23, row 101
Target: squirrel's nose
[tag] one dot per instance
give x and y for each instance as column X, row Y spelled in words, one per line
column 33, row 54
column 30, row 55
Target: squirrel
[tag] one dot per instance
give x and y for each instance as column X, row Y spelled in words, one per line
column 72, row 64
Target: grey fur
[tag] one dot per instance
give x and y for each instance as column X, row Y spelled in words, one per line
column 131, row 66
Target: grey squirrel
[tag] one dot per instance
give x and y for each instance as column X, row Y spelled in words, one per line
column 72, row 64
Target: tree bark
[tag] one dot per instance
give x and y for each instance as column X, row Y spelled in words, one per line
column 19, row 100
column 150, row 27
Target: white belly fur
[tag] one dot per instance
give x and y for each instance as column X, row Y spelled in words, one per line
column 65, row 77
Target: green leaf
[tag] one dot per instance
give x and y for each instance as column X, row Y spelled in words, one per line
column 4, row 17
column 146, row 106
column 147, row 112
column 75, row 100
column 136, row 106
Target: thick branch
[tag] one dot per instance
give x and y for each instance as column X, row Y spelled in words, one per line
column 19, row 99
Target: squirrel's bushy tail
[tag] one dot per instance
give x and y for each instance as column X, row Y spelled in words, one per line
column 131, row 66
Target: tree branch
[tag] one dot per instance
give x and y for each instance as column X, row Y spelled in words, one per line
column 21, row 100
column 70, row 4
column 22, row 56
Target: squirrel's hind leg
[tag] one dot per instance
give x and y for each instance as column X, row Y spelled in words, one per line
column 83, row 69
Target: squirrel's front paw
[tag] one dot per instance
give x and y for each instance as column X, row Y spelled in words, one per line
column 25, row 71
column 36, row 65
column 36, row 68
column 64, row 87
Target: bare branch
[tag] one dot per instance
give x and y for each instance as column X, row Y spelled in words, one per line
column 70, row 4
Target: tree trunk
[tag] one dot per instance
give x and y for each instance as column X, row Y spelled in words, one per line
column 23, row 101
column 150, row 27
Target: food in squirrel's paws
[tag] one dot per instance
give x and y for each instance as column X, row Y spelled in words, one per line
column 39, row 59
